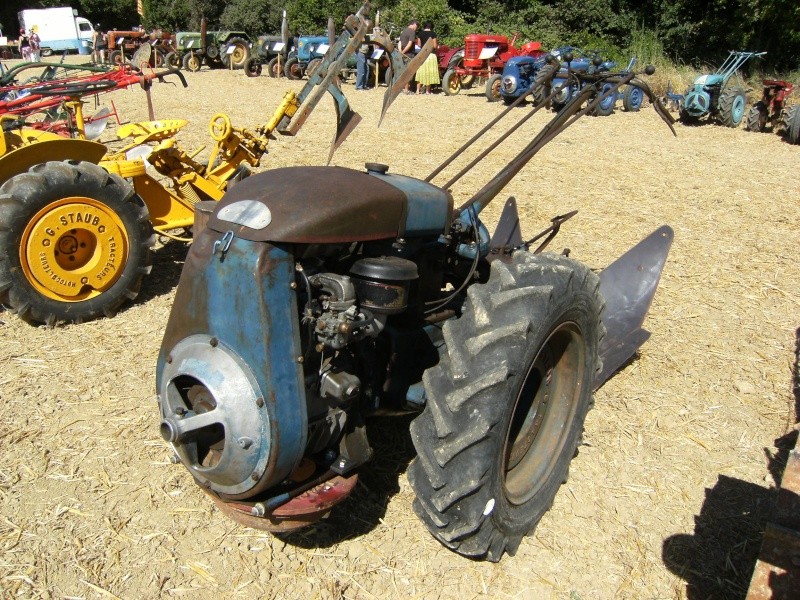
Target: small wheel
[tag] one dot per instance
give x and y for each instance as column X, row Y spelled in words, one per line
column 157, row 59
column 632, row 98
column 506, row 404
column 791, row 130
column 731, row 105
column 274, row 67
column 606, row 105
column 543, row 83
column 313, row 64
column 493, row 87
column 451, row 83
column 236, row 52
column 192, row 62
column 252, row 68
column 756, row 117
column 212, row 51
column 293, row 69
column 116, row 58
column 220, row 127
column 74, row 240
column 172, row 61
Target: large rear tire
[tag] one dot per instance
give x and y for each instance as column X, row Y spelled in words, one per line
column 756, row 118
column 543, row 83
column 236, row 52
column 74, row 243
column 506, row 404
column 732, row 102
column 275, row 67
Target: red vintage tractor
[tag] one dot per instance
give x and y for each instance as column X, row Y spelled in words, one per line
column 485, row 55
column 768, row 112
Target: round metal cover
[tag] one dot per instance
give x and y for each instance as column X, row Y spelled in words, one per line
column 248, row 213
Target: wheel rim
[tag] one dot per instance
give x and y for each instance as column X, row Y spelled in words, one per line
column 543, row 410
column 737, row 111
column 635, row 97
column 494, row 89
column 238, row 54
column 454, row 85
column 74, row 249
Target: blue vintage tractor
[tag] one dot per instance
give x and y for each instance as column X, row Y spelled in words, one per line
column 521, row 76
column 309, row 48
column 317, row 297
column 713, row 96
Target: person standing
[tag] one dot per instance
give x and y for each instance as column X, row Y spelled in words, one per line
column 408, row 42
column 100, row 43
column 24, row 45
column 362, row 66
column 36, row 45
column 428, row 73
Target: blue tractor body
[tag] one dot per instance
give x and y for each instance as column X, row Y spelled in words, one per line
column 519, row 76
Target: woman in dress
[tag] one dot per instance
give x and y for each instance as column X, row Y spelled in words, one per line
column 428, row 73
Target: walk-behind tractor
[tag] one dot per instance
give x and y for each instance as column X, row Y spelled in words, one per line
column 714, row 96
column 485, row 55
column 318, row 296
column 77, row 220
column 768, row 113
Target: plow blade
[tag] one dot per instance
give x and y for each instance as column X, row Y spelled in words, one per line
column 628, row 286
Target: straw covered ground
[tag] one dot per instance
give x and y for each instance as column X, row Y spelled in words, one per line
column 666, row 498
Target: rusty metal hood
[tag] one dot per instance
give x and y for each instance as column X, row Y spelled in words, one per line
column 312, row 205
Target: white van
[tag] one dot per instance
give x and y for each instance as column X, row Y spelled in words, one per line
column 60, row 29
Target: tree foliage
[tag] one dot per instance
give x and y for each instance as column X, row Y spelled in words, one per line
column 692, row 31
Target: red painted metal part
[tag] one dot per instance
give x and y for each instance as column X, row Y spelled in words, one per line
column 777, row 572
column 302, row 511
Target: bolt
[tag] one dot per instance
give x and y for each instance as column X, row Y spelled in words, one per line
column 293, row 285
column 342, row 462
column 245, row 443
column 255, row 476
column 169, row 359
column 259, row 402
column 213, row 341
column 258, row 510
column 174, row 459
column 180, row 411
column 300, row 359
column 84, row 280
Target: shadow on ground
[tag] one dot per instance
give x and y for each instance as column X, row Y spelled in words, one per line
column 718, row 560
column 167, row 265
column 378, row 481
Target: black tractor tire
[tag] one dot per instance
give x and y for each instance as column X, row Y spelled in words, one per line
column 171, row 60
column 731, row 105
column 756, row 118
column 506, row 404
column 212, row 52
column 192, row 62
column 116, row 58
column 493, row 87
column 606, row 106
column 312, row 66
column 451, row 83
column 238, row 56
column 791, row 128
column 293, row 69
column 543, row 83
column 508, row 100
column 274, row 66
column 252, row 68
column 69, row 224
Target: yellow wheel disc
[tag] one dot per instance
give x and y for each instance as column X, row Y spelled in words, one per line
column 74, row 249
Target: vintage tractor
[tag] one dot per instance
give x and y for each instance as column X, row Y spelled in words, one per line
column 122, row 45
column 218, row 49
column 270, row 50
column 310, row 50
column 485, row 55
column 365, row 292
column 713, row 96
column 77, row 221
column 767, row 113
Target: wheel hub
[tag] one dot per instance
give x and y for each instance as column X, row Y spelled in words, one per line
column 547, row 400
column 74, row 249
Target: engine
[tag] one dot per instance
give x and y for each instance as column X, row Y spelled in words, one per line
column 302, row 309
